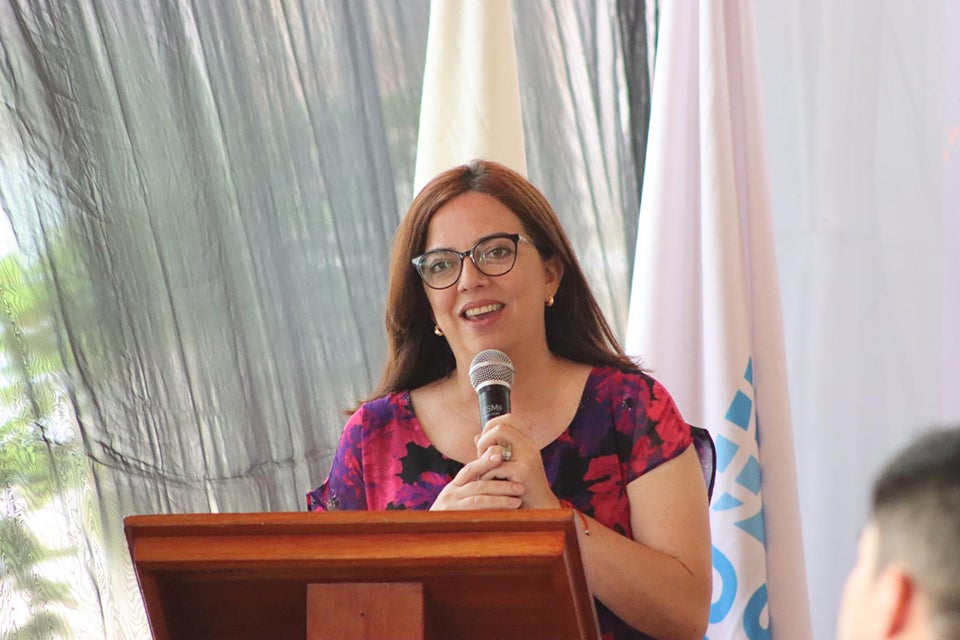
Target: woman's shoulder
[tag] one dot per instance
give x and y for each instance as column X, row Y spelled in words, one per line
column 387, row 408
column 618, row 381
column 628, row 390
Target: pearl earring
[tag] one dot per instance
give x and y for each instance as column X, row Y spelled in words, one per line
column 550, row 300
column 437, row 330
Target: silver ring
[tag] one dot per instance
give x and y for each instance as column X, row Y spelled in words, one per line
column 507, row 452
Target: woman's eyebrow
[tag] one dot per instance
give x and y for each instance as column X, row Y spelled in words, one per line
column 496, row 234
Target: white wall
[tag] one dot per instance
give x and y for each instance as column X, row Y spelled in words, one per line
column 862, row 102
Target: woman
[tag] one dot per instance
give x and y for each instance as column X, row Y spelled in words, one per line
column 481, row 262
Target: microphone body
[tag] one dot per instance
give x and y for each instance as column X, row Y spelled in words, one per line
column 494, row 401
column 491, row 374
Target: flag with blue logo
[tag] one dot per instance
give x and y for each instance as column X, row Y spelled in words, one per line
column 705, row 308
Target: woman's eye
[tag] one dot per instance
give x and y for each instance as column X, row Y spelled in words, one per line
column 498, row 253
column 439, row 265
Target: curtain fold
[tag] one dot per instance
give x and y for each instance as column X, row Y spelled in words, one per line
column 198, row 202
column 580, row 133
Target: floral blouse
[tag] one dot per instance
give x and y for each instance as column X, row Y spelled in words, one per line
column 626, row 424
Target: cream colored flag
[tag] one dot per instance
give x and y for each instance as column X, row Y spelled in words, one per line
column 470, row 106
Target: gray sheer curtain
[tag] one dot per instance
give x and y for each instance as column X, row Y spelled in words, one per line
column 198, row 204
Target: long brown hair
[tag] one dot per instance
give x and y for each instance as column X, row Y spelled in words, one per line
column 576, row 328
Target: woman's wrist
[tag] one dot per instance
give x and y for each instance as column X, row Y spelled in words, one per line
column 580, row 515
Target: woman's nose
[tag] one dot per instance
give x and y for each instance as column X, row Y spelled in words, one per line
column 471, row 275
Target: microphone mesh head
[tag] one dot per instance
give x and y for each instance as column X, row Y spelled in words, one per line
column 491, row 364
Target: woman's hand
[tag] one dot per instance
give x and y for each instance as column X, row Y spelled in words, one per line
column 476, row 488
column 519, row 461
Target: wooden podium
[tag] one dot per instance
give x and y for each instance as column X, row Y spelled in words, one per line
column 343, row 575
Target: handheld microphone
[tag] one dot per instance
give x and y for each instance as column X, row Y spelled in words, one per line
column 491, row 374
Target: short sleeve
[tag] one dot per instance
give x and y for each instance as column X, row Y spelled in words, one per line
column 659, row 431
column 344, row 486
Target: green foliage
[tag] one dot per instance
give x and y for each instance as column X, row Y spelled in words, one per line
column 42, row 625
column 39, row 460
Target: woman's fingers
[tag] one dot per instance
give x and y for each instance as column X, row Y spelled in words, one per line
column 502, row 431
column 519, row 460
column 503, row 441
column 483, row 501
column 474, row 488
column 498, row 488
column 481, row 494
column 490, row 460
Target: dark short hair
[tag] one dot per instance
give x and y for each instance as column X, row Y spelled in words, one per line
column 575, row 326
column 916, row 509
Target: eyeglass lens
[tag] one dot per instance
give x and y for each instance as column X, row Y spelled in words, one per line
column 493, row 257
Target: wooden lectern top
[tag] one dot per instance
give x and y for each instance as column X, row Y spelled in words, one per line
column 484, row 574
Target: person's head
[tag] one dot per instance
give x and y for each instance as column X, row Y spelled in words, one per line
column 455, row 210
column 906, row 582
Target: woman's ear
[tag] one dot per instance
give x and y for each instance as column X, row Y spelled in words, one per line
column 553, row 273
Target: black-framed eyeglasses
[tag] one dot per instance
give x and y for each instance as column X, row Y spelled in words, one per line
column 493, row 256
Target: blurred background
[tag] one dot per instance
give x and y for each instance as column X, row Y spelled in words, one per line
column 196, row 207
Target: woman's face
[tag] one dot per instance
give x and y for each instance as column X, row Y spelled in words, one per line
column 479, row 312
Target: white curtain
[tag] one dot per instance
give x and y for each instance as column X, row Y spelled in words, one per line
column 862, row 107
column 196, row 207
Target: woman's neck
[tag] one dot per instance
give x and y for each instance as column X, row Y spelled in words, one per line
column 533, row 371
